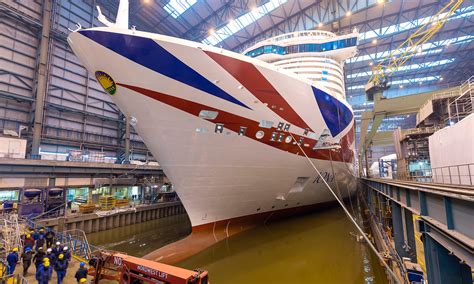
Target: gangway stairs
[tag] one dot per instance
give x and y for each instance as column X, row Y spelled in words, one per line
column 75, row 240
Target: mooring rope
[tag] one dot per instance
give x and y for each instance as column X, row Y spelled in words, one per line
column 379, row 256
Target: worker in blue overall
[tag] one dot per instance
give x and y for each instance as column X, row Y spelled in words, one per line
column 61, row 266
column 51, row 256
column 12, row 260
column 44, row 272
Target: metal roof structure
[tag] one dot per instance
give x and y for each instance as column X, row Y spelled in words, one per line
column 446, row 60
column 77, row 114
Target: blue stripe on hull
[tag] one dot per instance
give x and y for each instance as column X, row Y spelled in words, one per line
column 336, row 114
column 150, row 54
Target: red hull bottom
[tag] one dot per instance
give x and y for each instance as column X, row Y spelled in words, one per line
column 204, row 236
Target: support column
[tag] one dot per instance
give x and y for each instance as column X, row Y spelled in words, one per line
column 398, row 231
column 127, row 141
column 410, row 235
column 42, row 78
column 443, row 267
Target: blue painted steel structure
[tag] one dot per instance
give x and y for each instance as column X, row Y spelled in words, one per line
column 445, row 224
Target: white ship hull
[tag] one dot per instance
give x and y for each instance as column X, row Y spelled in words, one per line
column 221, row 176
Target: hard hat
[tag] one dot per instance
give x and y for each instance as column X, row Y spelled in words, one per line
column 15, row 249
column 45, row 259
column 28, row 236
column 27, row 250
column 40, row 248
column 83, row 280
column 65, row 248
column 41, row 230
column 58, row 243
column 46, row 264
column 82, row 264
column 49, row 250
column 61, row 256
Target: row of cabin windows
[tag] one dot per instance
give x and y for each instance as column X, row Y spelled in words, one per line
column 307, row 47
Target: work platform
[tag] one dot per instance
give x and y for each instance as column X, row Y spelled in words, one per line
column 431, row 224
column 41, row 173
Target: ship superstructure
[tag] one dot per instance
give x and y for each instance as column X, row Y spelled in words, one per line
column 316, row 55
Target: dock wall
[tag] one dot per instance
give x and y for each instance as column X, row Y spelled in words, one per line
column 93, row 223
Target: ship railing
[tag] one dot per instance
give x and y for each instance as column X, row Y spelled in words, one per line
column 462, row 174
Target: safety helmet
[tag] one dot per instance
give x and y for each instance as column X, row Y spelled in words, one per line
column 15, row 249
column 28, row 236
column 58, row 243
column 61, row 256
column 27, row 249
column 49, row 250
column 82, row 264
column 41, row 230
column 45, row 259
column 65, row 248
column 83, row 280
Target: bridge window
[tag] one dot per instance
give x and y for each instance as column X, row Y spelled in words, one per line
column 242, row 130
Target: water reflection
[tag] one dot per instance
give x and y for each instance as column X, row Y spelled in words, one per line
column 140, row 239
column 315, row 248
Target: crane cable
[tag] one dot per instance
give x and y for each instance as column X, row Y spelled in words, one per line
column 348, row 213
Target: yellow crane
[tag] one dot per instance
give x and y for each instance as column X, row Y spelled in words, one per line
column 378, row 82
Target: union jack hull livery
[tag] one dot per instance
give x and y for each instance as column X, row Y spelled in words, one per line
column 224, row 126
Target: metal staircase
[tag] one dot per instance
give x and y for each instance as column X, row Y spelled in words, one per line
column 10, row 233
column 462, row 105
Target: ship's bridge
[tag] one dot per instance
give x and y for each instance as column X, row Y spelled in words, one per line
column 315, row 55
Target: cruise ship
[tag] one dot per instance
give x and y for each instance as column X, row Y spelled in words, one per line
column 233, row 132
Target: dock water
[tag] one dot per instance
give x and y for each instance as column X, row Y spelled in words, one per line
column 313, row 248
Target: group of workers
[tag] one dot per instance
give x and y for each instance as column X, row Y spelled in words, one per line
column 56, row 257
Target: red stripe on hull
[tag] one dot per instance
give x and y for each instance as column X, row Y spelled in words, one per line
column 249, row 76
column 234, row 122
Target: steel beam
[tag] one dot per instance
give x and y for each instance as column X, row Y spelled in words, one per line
column 42, row 78
column 127, row 141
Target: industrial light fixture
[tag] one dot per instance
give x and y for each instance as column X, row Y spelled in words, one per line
column 371, row 63
column 211, row 31
column 380, row 1
column 374, row 41
column 146, row 1
column 401, row 86
column 255, row 10
column 348, row 13
column 441, row 78
column 320, row 24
